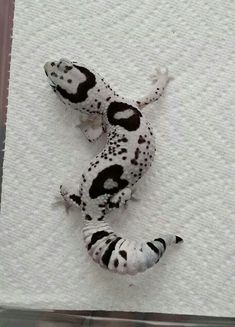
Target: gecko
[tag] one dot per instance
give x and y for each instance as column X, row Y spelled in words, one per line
column 109, row 180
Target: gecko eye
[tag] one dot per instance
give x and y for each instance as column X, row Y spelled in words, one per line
column 64, row 65
column 66, row 61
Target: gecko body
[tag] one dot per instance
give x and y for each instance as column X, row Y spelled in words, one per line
column 109, row 179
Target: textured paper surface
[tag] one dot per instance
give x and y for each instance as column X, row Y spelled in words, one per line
column 189, row 189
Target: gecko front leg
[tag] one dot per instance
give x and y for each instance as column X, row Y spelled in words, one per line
column 67, row 199
column 91, row 126
column 161, row 79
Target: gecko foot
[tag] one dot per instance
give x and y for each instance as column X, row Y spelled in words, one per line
column 63, row 199
column 61, row 202
column 161, row 75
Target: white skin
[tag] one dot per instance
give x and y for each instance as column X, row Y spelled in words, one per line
column 109, row 180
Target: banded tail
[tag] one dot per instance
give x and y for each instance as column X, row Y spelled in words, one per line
column 122, row 255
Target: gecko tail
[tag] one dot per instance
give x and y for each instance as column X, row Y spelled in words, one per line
column 122, row 255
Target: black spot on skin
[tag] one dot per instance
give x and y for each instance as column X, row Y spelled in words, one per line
column 97, row 236
column 141, row 139
column 107, row 255
column 61, row 77
column 88, row 217
column 114, row 172
column 137, row 152
column 153, row 247
column 134, row 162
column 98, row 105
column 108, row 98
column 83, row 88
column 52, row 64
column 113, row 205
column 76, row 199
column 124, row 139
column 54, row 74
column 108, row 241
column 69, row 80
column 131, row 123
column 115, row 263
column 161, row 240
column 123, row 254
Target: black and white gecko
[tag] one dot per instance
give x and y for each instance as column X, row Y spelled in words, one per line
column 110, row 177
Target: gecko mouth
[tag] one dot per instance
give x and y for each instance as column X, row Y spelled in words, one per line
column 51, row 83
column 47, row 68
column 53, row 87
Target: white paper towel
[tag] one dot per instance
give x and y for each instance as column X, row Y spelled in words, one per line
column 189, row 189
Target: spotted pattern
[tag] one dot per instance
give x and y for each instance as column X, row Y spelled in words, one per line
column 108, row 181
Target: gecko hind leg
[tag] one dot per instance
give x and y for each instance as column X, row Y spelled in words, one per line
column 67, row 199
column 121, row 198
column 91, row 126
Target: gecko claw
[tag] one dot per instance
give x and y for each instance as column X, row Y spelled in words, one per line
column 62, row 200
column 163, row 74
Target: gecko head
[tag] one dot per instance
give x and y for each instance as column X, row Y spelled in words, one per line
column 64, row 78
